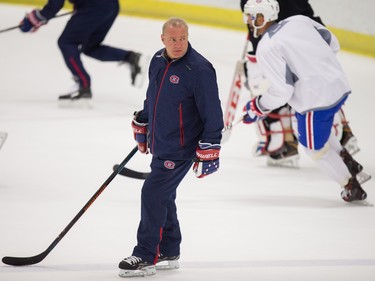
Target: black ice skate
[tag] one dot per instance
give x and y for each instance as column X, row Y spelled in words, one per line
column 286, row 156
column 348, row 140
column 165, row 262
column 353, row 166
column 353, row 191
column 355, row 169
column 81, row 98
column 138, row 68
column 135, row 267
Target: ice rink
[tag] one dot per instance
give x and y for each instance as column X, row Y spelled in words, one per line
column 246, row 222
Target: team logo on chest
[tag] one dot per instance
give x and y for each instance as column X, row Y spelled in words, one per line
column 169, row 164
column 174, row 79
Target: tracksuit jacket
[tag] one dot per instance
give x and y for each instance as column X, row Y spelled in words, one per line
column 182, row 106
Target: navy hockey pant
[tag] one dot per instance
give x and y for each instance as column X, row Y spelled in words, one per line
column 159, row 229
column 84, row 33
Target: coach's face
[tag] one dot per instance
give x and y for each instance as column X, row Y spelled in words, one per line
column 175, row 40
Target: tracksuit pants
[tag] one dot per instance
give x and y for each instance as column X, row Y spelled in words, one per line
column 159, row 229
column 84, row 33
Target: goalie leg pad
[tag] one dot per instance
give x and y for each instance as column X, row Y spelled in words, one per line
column 286, row 156
column 276, row 136
column 260, row 148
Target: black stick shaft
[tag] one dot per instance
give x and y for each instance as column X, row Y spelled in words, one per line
column 131, row 173
column 20, row 261
column 18, row 26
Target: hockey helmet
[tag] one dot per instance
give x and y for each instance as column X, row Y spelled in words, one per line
column 268, row 8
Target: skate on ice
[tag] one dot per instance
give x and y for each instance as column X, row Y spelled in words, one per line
column 81, row 98
column 353, row 191
column 135, row 267
column 165, row 262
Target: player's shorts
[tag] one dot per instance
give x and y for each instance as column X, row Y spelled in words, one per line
column 314, row 127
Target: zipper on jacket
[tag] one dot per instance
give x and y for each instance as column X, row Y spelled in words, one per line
column 155, row 105
column 181, row 126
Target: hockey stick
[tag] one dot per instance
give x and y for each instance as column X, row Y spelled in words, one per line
column 131, row 173
column 234, row 93
column 18, row 26
column 3, row 137
column 227, row 129
column 21, row 261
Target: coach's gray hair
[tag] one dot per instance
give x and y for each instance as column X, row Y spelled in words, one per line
column 175, row 22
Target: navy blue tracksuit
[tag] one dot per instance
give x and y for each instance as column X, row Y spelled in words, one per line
column 182, row 107
column 85, row 32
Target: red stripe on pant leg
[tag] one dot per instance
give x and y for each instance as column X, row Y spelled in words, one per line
column 158, row 248
column 79, row 72
column 309, row 120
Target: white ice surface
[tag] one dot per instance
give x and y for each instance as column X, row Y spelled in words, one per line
column 246, row 222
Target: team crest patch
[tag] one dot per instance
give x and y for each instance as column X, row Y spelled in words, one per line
column 169, row 164
column 174, row 79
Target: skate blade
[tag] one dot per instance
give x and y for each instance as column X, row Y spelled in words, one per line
column 289, row 162
column 140, row 78
column 79, row 103
column 351, row 146
column 363, row 203
column 363, row 177
column 146, row 271
column 168, row 265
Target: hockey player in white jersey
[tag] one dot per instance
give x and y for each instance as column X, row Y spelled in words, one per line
column 277, row 132
column 297, row 56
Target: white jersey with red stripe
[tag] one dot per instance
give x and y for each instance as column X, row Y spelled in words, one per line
column 298, row 57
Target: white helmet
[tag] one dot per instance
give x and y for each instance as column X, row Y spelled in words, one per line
column 268, row 8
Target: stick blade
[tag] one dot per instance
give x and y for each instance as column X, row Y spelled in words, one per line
column 22, row 261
